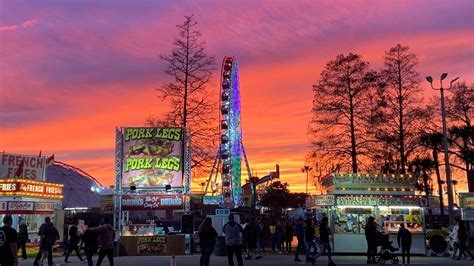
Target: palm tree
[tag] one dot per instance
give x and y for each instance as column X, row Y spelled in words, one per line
column 462, row 139
column 433, row 141
column 422, row 168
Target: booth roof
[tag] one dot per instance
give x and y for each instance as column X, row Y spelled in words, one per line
column 77, row 185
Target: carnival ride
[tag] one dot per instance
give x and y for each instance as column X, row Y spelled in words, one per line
column 231, row 149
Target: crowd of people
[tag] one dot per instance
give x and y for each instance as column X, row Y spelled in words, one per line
column 247, row 238
column 250, row 236
column 92, row 238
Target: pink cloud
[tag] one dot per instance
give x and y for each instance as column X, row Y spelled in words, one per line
column 26, row 24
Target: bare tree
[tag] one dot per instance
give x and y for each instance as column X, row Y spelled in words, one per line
column 402, row 115
column 341, row 100
column 192, row 105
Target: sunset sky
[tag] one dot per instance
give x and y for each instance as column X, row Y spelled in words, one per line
column 72, row 71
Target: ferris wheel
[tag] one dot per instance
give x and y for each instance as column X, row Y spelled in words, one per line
column 231, row 149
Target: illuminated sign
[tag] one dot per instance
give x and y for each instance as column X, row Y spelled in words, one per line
column 324, row 200
column 380, row 201
column 152, row 157
column 26, row 207
column 33, row 166
column 152, row 202
column 21, row 187
column 378, row 179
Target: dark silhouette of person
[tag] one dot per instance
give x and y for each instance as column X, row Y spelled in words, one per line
column 371, row 237
column 404, row 237
column 73, row 242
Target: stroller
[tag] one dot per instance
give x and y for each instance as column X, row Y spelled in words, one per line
column 386, row 251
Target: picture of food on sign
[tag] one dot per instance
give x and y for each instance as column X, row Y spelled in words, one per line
column 152, row 178
column 150, row 247
column 156, row 147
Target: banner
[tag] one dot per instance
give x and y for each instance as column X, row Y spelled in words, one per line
column 21, row 187
column 152, row 202
column 151, row 244
column 152, row 157
column 32, row 168
column 380, row 201
column 26, row 207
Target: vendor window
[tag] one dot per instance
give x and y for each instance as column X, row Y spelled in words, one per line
column 351, row 220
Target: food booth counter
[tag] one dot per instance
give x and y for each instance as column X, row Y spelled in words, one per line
column 390, row 199
column 31, row 201
column 151, row 239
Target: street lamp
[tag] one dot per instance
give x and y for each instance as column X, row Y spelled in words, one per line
column 445, row 142
column 306, row 169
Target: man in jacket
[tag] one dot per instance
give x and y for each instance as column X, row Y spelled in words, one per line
column 8, row 239
column 106, row 234
column 48, row 236
column 299, row 232
column 232, row 231
column 405, row 236
column 23, row 238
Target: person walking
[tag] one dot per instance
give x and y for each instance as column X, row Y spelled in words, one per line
column 232, row 231
column 288, row 235
column 23, row 238
column 280, row 232
column 404, row 236
column 324, row 233
column 453, row 236
column 73, row 242
column 299, row 232
column 207, row 241
column 273, row 235
column 48, row 236
column 371, row 237
column 250, row 236
column 90, row 243
column 106, row 242
column 8, row 243
column 260, row 235
column 462, row 238
column 309, row 239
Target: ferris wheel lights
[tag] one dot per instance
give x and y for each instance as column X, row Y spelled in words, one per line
column 226, row 74
column 224, row 125
column 225, row 96
column 225, row 110
column 224, row 139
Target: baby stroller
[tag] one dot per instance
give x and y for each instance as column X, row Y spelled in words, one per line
column 386, row 250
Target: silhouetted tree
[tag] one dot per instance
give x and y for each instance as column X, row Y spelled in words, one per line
column 460, row 111
column 342, row 97
column 278, row 197
column 401, row 116
column 434, row 143
column 192, row 105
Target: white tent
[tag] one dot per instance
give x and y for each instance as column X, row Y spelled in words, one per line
column 77, row 185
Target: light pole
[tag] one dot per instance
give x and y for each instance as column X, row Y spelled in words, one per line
column 306, row 169
column 445, row 142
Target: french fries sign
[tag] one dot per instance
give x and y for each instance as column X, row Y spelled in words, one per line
column 152, row 156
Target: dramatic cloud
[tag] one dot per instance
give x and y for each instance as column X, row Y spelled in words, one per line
column 90, row 66
column 26, row 24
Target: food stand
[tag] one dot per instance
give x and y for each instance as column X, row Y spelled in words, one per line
column 23, row 192
column 29, row 200
column 152, row 238
column 151, row 194
column 390, row 199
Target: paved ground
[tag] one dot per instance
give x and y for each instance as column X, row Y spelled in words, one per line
column 279, row 260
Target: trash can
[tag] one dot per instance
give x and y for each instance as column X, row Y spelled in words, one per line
column 219, row 249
